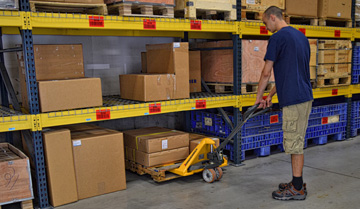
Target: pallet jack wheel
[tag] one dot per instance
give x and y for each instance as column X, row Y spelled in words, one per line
column 209, row 175
column 219, row 173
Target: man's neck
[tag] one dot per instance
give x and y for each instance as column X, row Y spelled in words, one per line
column 281, row 24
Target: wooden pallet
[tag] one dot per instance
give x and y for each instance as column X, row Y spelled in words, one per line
column 221, row 88
column 206, row 9
column 329, row 82
column 158, row 173
column 141, row 10
column 251, row 88
column 27, row 204
column 335, row 22
column 301, row 20
column 41, row 6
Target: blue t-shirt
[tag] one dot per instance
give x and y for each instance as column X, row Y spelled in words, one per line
column 290, row 51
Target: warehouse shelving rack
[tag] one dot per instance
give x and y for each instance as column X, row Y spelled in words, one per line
column 34, row 23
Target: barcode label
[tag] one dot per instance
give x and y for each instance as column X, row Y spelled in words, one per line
column 195, row 25
column 200, row 104
column 274, row 119
column 149, row 24
column 155, row 108
column 96, row 21
column 103, row 114
column 263, row 30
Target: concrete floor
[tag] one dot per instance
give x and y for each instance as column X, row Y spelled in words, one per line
column 332, row 174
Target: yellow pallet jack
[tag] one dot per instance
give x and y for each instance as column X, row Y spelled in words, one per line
column 207, row 158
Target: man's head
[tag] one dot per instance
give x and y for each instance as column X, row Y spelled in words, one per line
column 273, row 19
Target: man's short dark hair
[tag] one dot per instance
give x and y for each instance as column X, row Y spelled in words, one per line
column 274, row 10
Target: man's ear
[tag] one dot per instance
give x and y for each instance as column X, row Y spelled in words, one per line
column 272, row 17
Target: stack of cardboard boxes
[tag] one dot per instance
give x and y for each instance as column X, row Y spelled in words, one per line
column 155, row 146
column 60, row 78
column 83, row 161
column 165, row 69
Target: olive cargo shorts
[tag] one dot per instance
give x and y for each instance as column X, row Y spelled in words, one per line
column 295, row 122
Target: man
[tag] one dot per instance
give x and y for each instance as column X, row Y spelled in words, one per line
column 288, row 52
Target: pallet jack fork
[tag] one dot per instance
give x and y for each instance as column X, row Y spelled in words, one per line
column 209, row 159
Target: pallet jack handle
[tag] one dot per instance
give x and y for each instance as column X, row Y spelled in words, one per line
column 216, row 156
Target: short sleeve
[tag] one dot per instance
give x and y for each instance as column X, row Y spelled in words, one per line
column 271, row 53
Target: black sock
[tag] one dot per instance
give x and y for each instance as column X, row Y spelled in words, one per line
column 297, row 182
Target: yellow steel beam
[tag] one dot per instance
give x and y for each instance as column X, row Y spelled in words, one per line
column 94, row 22
column 134, row 110
column 258, row 29
column 357, row 33
column 15, row 123
column 249, row 99
column 12, row 19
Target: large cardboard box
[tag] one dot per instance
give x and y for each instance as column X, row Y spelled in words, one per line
column 262, row 5
column 195, row 71
column 69, row 94
column 172, row 58
column 155, row 139
column 56, row 62
column 196, row 142
column 307, row 8
column 340, row 9
column 15, row 178
column 156, row 158
column 146, row 87
column 99, row 161
column 60, row 167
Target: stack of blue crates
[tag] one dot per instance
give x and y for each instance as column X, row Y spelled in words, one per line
column 263, row 131
column 356, row 65
column 259, row 132
column 355, row 118
column 327, row 120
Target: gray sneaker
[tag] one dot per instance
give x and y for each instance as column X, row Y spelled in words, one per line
column 290, row 193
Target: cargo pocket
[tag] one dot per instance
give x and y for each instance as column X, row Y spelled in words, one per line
column 290, row 119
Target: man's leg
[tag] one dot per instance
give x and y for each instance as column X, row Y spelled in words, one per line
column 297, row 163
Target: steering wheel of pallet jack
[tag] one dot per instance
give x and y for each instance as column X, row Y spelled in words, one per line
column 219, row 173
column 209, row 175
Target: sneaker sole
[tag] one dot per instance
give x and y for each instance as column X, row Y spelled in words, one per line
column 297, row 197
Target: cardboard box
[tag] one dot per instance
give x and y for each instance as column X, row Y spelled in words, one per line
column 56, row 62
column 195, row 71
column 193, row 136
column 69, row 94
column 172, row 58
column 340, row 9
column 196, row 142
column 156, row 158
column 313, row 55
column 60, row 167
column 99, row 161
column 162, row 2
column 145, row 87
column 15, row 179
column 154, row 139
column 262, row 5
column 307, row 8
